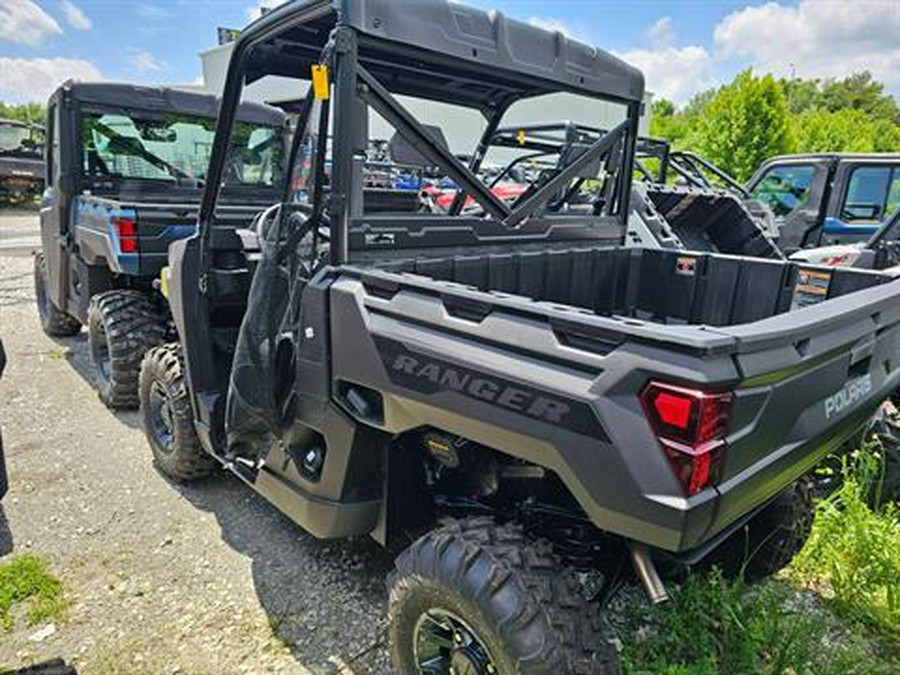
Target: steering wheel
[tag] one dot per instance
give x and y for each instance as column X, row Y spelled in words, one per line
column 264, row 220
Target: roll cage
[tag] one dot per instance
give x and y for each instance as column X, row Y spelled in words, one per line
column 374, row 51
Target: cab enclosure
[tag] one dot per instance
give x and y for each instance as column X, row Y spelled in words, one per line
column 824, row 199
column 125, row 172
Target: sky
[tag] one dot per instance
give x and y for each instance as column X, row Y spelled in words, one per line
column 683, row 46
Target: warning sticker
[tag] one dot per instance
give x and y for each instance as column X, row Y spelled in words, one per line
column 686, row 265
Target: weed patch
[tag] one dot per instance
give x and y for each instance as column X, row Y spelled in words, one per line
column 27, row 580
column 713, row 626
column 853, row 555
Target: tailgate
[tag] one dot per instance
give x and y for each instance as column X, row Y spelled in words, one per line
column 810, row 379
column 158, row 225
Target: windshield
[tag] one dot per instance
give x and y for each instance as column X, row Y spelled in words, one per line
column 784, row 188
column 175, row 148
column 20, row 139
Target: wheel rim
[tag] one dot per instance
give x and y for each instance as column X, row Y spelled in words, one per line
column 444, row 644
column 100, row 351
column 160, row 415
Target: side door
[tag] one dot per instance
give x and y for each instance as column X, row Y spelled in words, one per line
column 54, row 225
column 866, row 193
column 794, row 191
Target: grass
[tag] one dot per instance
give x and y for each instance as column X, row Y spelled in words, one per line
column 26, row 580
column 836, row 611
column 853, row 555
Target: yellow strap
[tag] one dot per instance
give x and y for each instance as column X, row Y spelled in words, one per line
column 320, row 81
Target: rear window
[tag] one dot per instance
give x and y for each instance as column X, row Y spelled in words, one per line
column 174, row 147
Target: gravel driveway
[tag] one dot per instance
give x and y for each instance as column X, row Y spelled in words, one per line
column 162, row 578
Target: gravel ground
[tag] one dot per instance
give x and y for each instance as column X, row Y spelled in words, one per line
column 206, row 578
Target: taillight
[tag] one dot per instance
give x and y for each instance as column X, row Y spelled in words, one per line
column 691, row 426
column 127, row 231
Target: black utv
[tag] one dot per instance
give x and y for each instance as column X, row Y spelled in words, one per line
column 21, row 162
column 125, row 173
column 508, row 387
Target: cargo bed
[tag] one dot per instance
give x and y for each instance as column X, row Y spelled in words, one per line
column 807, row 352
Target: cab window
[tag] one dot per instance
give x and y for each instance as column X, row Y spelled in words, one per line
column 873, row 194
column 784, row 188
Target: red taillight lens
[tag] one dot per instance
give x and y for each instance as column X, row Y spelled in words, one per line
column 691, row 426
column 127, row 231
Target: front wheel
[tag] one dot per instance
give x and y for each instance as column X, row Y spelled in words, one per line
column 168, row 417
column 480, row 598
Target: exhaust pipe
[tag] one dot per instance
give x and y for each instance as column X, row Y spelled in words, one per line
column 645, row 569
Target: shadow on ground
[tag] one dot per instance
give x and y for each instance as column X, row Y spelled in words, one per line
column 324, row 599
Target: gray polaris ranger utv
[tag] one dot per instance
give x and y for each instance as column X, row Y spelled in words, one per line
column 124, row 180
column 530, row 402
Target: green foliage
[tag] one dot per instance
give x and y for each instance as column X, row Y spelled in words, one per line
column 712, row 626
column 739, row 125
column 27, row 580
column 840, row 131
column 745, row 123
column 26, row 112
column 854, row 551
column 801, row 95
column 859, row 92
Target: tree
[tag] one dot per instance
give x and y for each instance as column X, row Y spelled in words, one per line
column 801, row 95
column 745, row 123
column 25, row 112
column 840, row 131
column 859, row 92
column 666, row 123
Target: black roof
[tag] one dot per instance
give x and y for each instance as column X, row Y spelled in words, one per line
column 163, row 99
column 440, row 50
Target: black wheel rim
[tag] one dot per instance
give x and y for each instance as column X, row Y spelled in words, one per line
column 100, row 351
column 444, row 644
column 160, row 415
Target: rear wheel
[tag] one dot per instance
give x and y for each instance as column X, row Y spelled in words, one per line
column 168, row 416
column 886, row 487
column 122, row 326
column 771, row 539
column 480, row 598
column 54, row 321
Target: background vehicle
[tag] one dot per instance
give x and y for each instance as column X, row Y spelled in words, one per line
column 21, row 161
column 824, row 199
column 124, row 179
column 566, row 402
column 701, row 216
